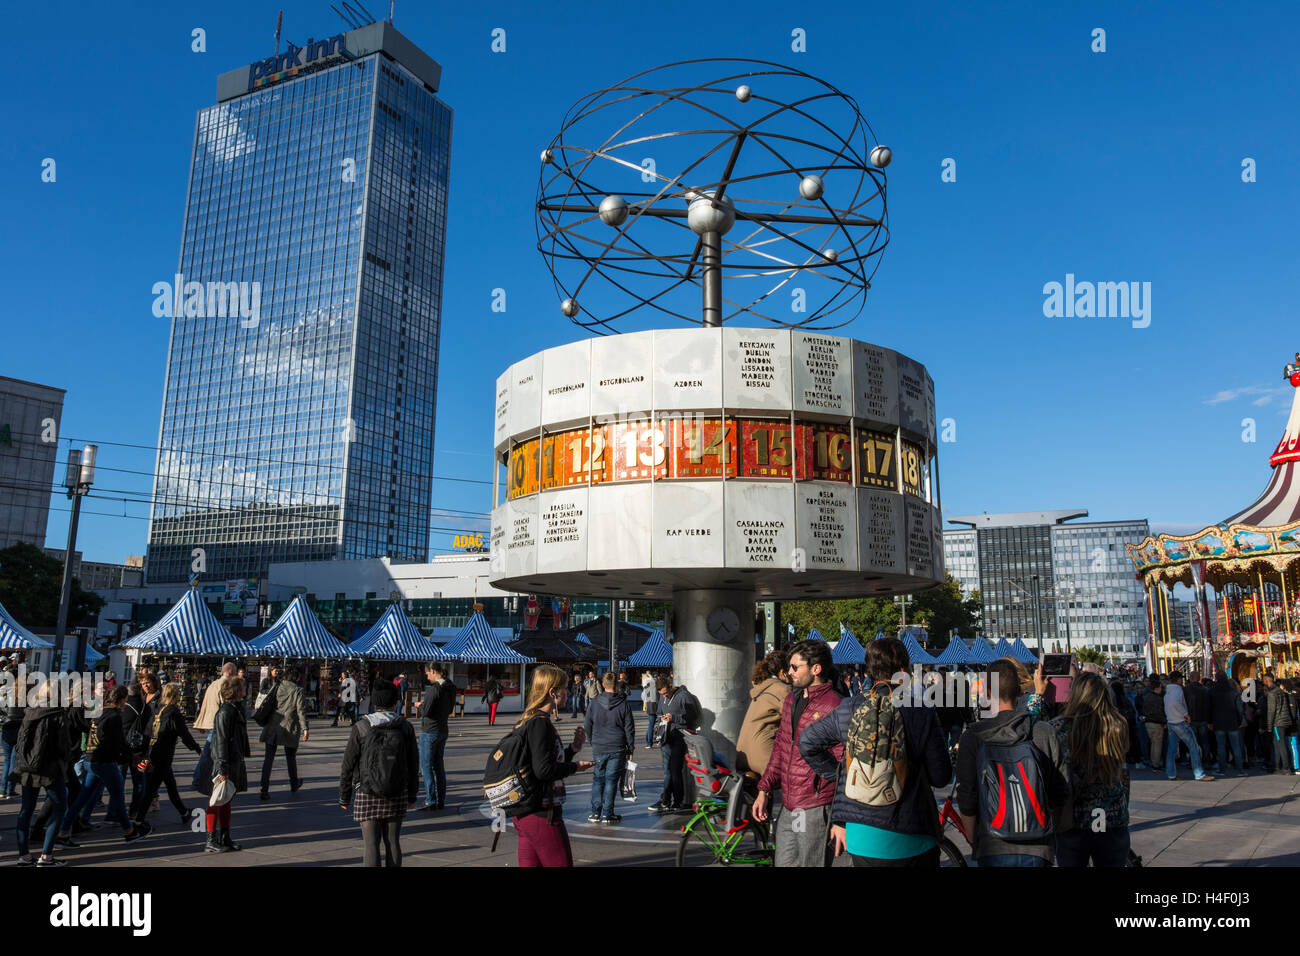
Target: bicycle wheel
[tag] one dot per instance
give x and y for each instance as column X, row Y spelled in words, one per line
column 949, row 855
column 700, row 844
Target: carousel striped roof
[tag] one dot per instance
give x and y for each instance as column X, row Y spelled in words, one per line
column 848, row 650
column 189, row 628
column 655, row 652
column 477, row 643
column 1280, row 502
column 299, row 633
column 394, row 638
column 13, row 636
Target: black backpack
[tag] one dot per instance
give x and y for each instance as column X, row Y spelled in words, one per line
column 508, row 781
column 383, row 760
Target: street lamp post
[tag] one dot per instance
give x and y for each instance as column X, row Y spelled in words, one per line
column 80, row 476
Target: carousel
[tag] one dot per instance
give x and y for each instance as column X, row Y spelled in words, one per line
column 1252, row 561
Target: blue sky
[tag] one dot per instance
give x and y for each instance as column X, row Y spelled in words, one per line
column 1115, row 166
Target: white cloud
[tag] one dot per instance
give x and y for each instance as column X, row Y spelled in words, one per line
column 1266, row 393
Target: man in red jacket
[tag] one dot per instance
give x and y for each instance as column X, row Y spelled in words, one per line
column 805, row 819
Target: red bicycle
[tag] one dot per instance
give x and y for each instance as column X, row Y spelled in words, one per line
column 949, row 817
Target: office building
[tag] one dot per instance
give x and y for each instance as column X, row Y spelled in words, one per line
column 29, row 441
column 1087, row 594
column 298, row 406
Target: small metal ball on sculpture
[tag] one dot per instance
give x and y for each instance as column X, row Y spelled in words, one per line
column 747, row 456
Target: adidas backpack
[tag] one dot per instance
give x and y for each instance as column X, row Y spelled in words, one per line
column 875, row 753
column 1013, row 792
column 383, row 761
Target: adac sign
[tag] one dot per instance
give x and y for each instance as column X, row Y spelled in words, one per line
column 294, row 60
column 470, row 542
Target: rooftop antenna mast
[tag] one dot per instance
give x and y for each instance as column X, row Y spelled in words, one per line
column 279, row 22
column 349, row 18
column 390, row 11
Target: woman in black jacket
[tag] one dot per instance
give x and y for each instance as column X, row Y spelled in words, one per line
column 543, row 840
column 41, row 762
column 907, row 832
column 12, row 720
column 105, row 751
column 230, row 749
column 148, row 709
column 168, row 727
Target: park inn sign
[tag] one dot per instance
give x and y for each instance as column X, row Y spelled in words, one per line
column 294, row 60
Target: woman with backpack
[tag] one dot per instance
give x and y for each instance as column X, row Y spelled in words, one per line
column 543, row 840
column 168, row 728
column 1094, row 741
column 230, row 751
column 876, row 831
column 42, row 756
column 380, row 776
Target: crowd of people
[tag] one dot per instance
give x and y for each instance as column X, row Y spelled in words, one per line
column 836, row 760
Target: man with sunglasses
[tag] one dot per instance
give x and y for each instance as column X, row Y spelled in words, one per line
column 803, row 826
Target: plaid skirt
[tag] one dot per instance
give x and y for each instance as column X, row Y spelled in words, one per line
column 367, row 807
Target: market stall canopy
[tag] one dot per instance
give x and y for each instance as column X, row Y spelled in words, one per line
column 583, row 639
column 1003, row 648
column 981, row 652
column 815, row 635
column 395, row 638
column 655, row 652
column 299, row 633
column 1022, row 653
column 93, row 656
column 189, row 628
column 848, row 650
column 13, row 636
column 954, row 653
column 478, row 644
column 915, row 652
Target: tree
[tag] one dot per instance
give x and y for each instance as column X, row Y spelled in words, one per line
column 30, row 582
column 1090, row 655
column 942, row 608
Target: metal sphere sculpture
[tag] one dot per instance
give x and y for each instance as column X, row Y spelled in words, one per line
column 760, row 192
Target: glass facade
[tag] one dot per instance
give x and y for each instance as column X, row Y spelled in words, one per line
column 304, row 430
column 1088, row 594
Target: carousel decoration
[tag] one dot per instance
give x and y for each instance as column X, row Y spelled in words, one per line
column 1252, row 559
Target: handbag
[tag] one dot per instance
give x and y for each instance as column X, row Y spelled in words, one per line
column 135, row 736
column 266, row 709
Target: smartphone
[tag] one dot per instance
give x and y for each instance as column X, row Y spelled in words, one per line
column 1057, row 665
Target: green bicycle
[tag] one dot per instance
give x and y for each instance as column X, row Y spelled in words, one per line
column 721, row 832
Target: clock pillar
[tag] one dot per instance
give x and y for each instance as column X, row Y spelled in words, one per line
column 715, row 667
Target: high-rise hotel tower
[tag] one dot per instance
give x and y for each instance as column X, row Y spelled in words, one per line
column 298, row 407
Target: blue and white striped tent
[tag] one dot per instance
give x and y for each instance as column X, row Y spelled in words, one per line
column 1003, row 648
column 1023, row 654
column 954, row 653
column 394, row 638
column 981, row 652
column 655, row 652
column 299, row 633
column 879, row 635
column 814, row 635
column 191, row 629
column 13, row 636
column 848, row 650
column 915, row 652
column 582, row 639
column 477, row 643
